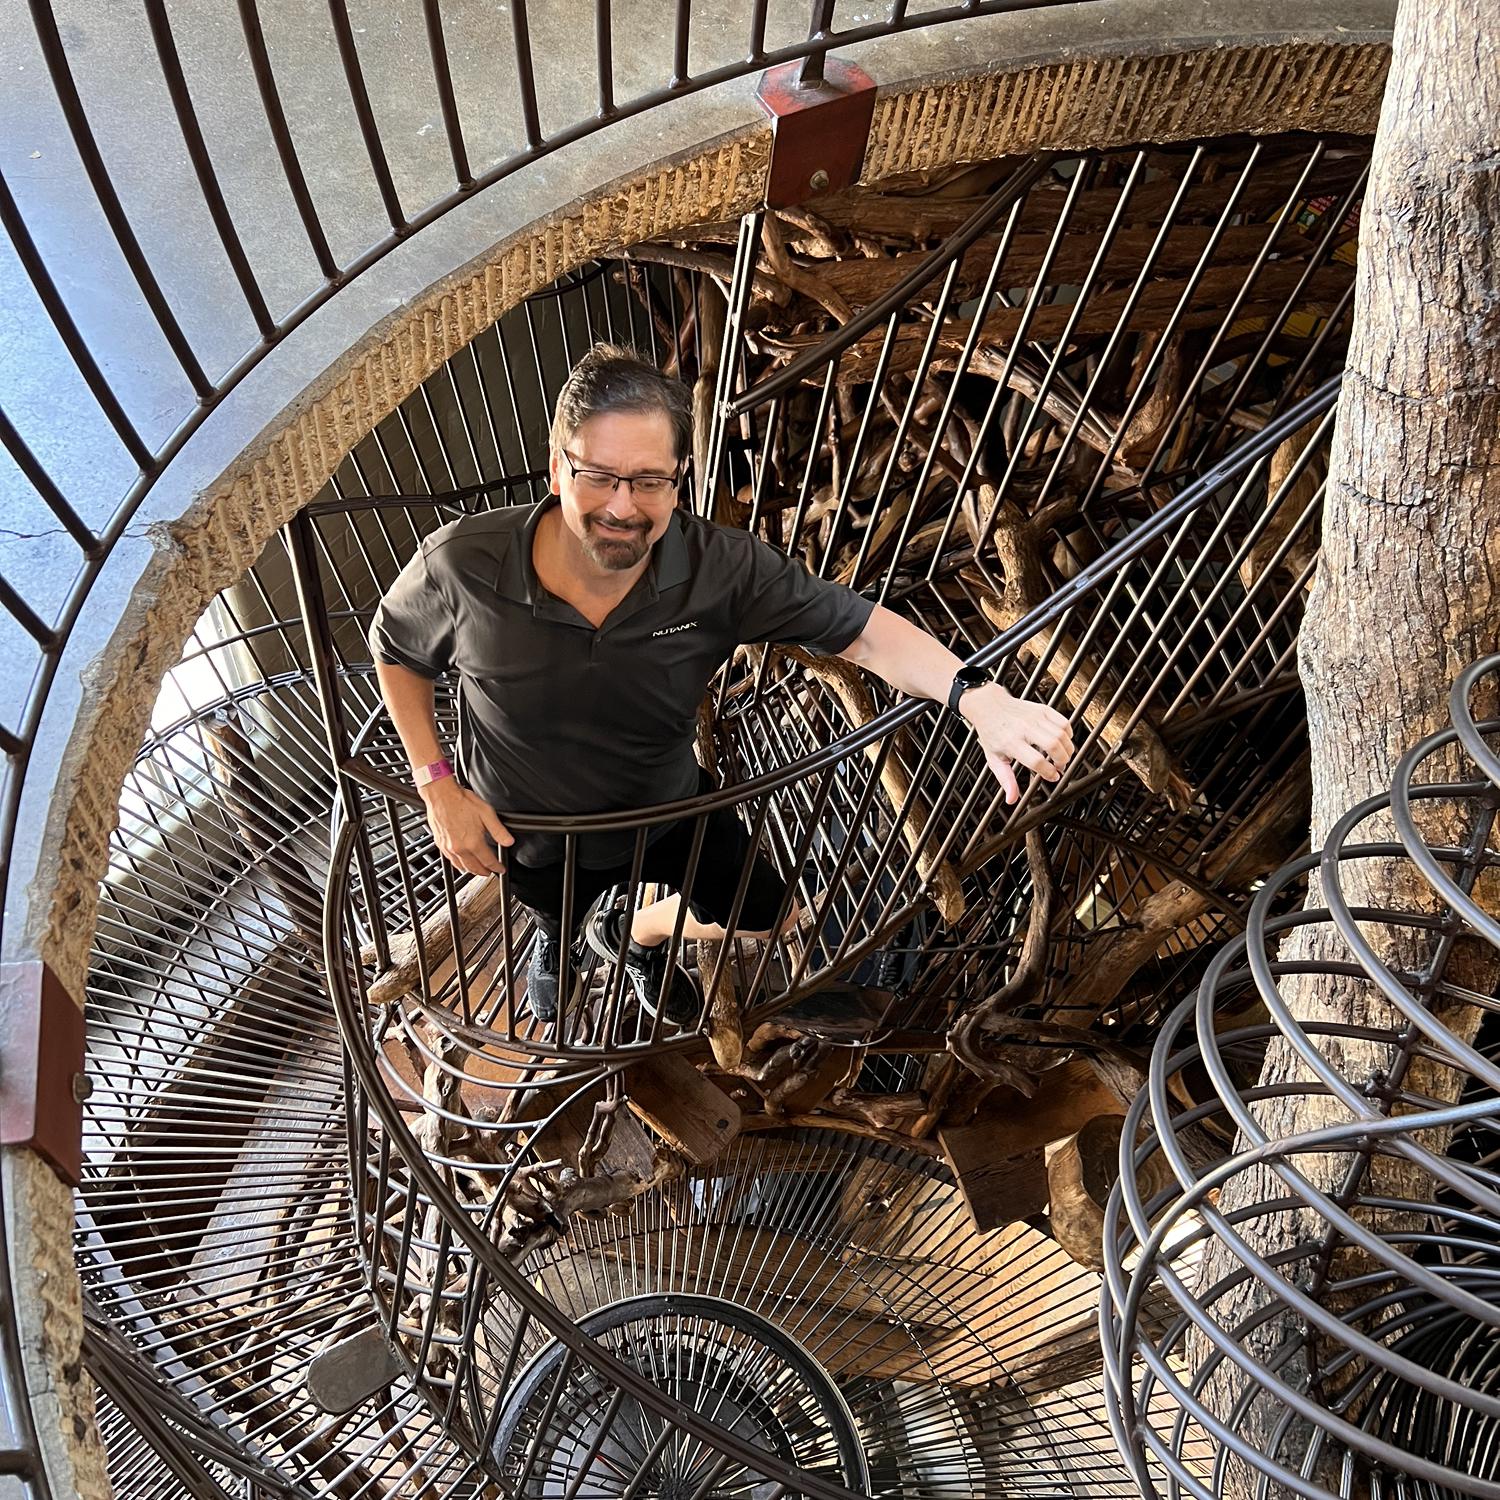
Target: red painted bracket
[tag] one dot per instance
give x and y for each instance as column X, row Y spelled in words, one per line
column 818, row 132
column 42, row 1082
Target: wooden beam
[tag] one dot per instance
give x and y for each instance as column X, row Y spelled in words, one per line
column 696, row 1118
column 1000, row 1159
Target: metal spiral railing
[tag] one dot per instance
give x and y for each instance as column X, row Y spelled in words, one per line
column 205, row 370
column 454, row 1222
column 1189, row 622
column 1328, row 1251
column 1179, row 635
column 852, row 895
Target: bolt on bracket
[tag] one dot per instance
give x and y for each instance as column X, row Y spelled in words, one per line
column 819, row 130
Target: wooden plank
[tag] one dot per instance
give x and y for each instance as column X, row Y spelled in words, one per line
column 1066, row 1099
column 240, row 1241
column 696, row 1118
column 997, row 1189
column 999, row 1158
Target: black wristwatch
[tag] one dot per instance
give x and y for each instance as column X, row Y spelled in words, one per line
column 964, row 679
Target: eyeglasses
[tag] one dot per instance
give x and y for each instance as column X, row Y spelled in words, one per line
column 602, row 482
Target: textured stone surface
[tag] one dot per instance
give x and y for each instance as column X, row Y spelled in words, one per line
column 38, row 1214
column 1122, row 101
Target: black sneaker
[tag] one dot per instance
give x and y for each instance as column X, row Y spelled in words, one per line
column 646, row 969
column 542, row 977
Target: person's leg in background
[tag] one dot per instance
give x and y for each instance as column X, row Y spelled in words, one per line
column 540, row 889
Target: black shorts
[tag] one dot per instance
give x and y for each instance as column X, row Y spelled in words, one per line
column 716, row 880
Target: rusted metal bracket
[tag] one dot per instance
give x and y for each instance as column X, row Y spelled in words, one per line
column 819, row 129
column 42, row 1082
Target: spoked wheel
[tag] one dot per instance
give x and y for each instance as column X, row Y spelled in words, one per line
column 566, row 1432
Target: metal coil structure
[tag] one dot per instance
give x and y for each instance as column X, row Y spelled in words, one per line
column 1311, row 1306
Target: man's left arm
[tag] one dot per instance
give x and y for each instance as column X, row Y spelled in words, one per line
column 1013, row 731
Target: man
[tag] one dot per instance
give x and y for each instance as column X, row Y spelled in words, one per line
column 584, row 631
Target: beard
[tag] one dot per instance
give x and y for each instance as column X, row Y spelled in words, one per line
column 615, row 548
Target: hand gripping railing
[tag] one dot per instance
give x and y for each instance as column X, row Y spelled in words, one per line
column 1311, row 1306
column 476, row 1132
column 866, row 824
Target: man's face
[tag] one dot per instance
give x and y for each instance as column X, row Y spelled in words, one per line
column 616, row 528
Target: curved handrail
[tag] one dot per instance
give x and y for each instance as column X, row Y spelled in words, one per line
column 429, row 1261
column 905, row 833
column 1239, row 461
column 518, row 1288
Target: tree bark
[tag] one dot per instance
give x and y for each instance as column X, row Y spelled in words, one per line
column 1408, row 588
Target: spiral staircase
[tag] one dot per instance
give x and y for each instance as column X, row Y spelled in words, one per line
column 525, row 1248
column 351, row 1222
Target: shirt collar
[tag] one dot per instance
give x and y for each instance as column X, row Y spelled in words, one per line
column 517, row 577
column 669, row 557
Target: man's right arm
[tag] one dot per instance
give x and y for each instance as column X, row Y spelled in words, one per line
column 465, row 827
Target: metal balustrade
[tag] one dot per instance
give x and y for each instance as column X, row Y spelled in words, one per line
column 852, row 891
column 1156, row 664
column 1326, row 1280
column 143, row 444
column 1184, row 622
column 478, row 1133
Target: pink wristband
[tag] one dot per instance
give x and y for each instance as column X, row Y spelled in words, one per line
column 435, row 771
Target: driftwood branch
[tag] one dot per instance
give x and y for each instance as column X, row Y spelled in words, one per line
column 847, row 685
column 1017, row 542
column 968, row 1040
column 478, row 900
column 541, row 1199
column 1266, row 839
column 1081, row 1174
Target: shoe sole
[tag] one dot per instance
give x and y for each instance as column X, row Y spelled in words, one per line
column 595, row 939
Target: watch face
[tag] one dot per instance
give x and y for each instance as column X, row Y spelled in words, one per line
column 963, row 680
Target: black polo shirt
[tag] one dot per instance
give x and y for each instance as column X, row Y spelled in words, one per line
column 558, row 717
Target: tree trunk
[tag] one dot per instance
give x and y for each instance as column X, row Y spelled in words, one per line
column 1408, row 588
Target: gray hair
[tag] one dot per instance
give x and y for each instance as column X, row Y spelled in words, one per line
column 611, row 378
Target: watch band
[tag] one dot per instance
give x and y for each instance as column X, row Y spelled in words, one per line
column 432, row 771
column 963, row 680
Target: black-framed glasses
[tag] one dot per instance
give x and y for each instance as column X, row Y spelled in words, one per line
column 602, row 482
